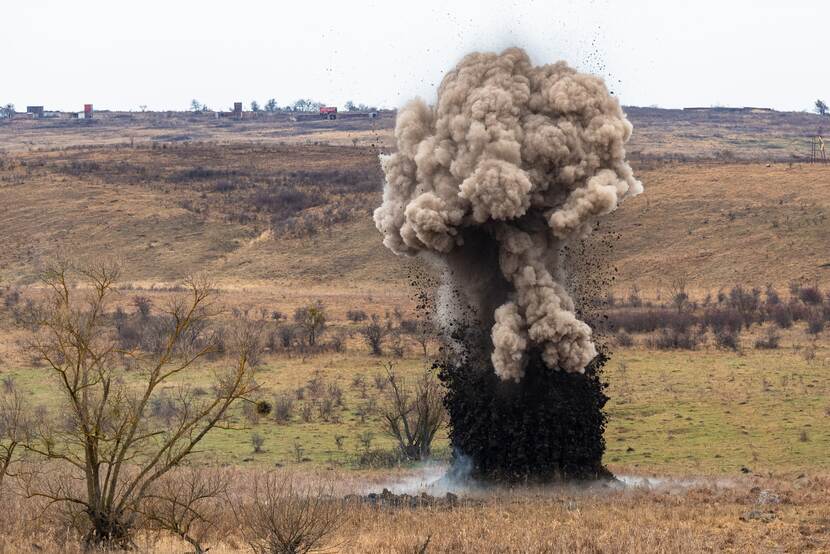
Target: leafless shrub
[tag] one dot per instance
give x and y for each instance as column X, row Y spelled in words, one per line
column 306, row 413
column 11, row 298
column 298, row 450
column 281, row 517
column 810, row 353
column 316, row 386
column 770, row 341
column 413, row 417
column 624, row 339
column 15, row 430
column 277, row 315
column 365, row 438
column 728, row 338
column 379, row 458
column 746, row 303
column 143, row 305
column 772, row 296
column 381, row 381
column 396, row 343
column 359, row 381
column 799, row 310
column 782, row 315
column 671, row 339
column 287, row 334
column 257, row 441
column 649, row 320
column 374, row 334
column 311, row 320
column 326, row 409
column 815, row 323
column 187, row 503
column 8, row 384
column 356, row 316
column 283, row 408
column 677, row 291
column 721, row 320
column 335, row 393
column 249, row 411
column 423, row 331
column 337, row 343
column 810, row 295
column 634, row 299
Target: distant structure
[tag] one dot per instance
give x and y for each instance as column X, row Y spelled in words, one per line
column 36, row 111
column 236, row 113
column 330, row 113
column 745, row 109
column 87, row 111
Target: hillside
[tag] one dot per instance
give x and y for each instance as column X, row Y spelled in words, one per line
column 302, row 214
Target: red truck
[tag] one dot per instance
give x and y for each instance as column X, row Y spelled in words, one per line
column 328, row 112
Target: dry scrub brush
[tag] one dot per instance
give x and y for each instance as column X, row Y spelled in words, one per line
column 284, row 517
column 413, row 415
column 107, row 453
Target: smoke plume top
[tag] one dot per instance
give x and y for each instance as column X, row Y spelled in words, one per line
column 511, row 163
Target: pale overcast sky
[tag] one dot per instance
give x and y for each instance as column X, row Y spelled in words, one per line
column 120, row 55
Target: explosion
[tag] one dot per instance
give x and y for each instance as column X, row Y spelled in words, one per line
column 511, row 165
column 528, row 158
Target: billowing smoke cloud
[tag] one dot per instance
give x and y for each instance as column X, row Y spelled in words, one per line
column 530, row 156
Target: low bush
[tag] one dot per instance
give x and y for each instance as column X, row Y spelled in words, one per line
column 283, row 408
column 728, row 338
column 782, row 315
column 770, row 341
column 356, row 316
column 670, row 339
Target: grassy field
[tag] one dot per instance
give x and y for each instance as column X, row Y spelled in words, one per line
column 702, row 412
column 278, row 214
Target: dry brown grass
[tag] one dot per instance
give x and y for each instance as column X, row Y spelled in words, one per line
column 784, row 513
column 716, row 224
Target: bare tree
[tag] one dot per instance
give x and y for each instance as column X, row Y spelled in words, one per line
column 104, row 435
column 413, row 417
column 679, row 296
column 188, row 502
column 312, row 320
column 14, row 430
column 424, row 332
column 7, row 111
column 271, row 105
column 374, row 334
column 254, row 106
column 281, row 517
column 820, row 107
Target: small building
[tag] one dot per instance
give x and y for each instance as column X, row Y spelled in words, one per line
column 36, row 111
column 87, row 111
